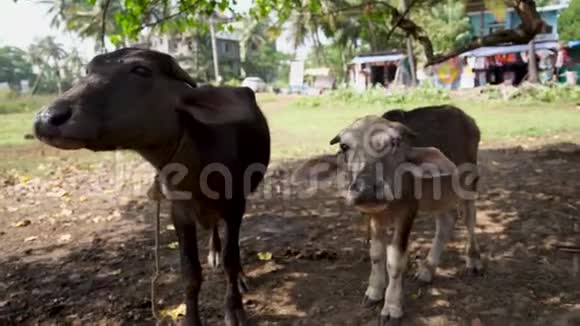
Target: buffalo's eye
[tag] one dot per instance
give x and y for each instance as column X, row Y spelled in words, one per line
column 142, row 71
column 344, row 147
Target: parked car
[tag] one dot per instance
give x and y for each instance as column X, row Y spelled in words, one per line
column 255, row 83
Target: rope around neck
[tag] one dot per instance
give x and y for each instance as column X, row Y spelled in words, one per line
column 154, row 193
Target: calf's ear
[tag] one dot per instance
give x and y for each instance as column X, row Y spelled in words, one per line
column 218, row 105
column 318, row 169
column 430, row 162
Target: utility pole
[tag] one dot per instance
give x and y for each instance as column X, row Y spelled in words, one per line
column 216, row 65
column 410, row 55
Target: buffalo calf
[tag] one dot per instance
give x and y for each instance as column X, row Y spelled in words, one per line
column 395, row 166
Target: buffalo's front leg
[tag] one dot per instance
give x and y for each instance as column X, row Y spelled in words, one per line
column 190, row 266
column 392, row 312
column 234, row 314
column 215, row 248
column 378, row 277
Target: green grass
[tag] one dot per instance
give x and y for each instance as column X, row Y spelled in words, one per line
column 11, row 102
column 301, row 129
column 14, row 126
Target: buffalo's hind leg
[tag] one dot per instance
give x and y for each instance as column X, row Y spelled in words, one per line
column 214, row 258
column 473, row 259
column 443, row 233
column 190, row 267
column 234, row 309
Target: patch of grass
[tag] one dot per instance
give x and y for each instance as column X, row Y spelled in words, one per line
column 266, row 97
column 303, row 130
column 14, row 126
column 11, row 102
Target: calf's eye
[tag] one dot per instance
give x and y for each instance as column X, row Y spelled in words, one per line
column 344, row 147
column 142, row 71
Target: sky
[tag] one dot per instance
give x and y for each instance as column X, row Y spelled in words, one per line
column 23, row 22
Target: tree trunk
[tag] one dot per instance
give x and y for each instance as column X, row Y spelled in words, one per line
column 412, row 65
column 532, row 63
column 214, row 52
column 36, row 82
column 58, row 78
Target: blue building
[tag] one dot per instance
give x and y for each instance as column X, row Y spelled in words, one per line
column 484, row 22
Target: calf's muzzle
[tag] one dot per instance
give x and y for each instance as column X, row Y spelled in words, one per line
column 367, row 191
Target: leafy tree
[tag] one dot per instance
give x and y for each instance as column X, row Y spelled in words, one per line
column 47, row 56
column 14, row 67
column 380, row 16
column 254, row 35
column 569, row 22
column 266, row 63
column 446, row 24
column 336, row 60
column 88, row 18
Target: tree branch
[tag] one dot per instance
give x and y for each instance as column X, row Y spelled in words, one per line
column 104, row 23
column 517, row 36
column 531, row 25
column 400, row 19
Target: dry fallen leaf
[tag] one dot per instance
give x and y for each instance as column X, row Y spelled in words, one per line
column 265, row 256
column 22, row 223
column 174, row 312
column 64, row 238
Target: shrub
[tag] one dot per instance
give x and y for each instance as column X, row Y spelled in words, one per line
column 377, row 96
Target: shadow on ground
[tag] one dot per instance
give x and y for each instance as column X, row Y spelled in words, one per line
column 317, row 276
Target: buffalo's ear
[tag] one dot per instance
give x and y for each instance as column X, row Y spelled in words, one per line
column 430, row 162
column 318, row 169
column 404, row 132
column 218, row 105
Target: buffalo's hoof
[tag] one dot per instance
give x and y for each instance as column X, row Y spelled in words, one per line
column 370, row 303
column 390, row 321
column 236, row 317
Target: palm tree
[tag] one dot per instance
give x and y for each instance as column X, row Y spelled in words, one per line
column 47, row 55
column 254, row 35
column 74, row 65
column 85, row 19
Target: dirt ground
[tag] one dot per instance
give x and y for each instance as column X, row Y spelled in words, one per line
column 76, row 249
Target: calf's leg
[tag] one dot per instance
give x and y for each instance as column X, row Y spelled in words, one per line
column 234, row 309
column 473, row 260
column 377, row 252
column 443, row 233
column 190, row 267
column 392, row 312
